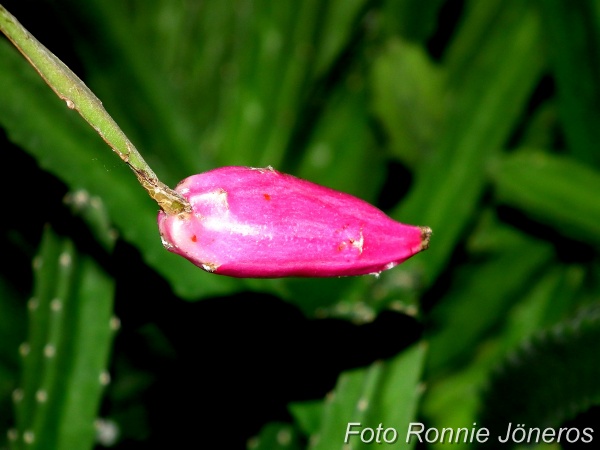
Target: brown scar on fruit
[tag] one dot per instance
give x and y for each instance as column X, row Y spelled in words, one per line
column 425, row 236
column 209, row 267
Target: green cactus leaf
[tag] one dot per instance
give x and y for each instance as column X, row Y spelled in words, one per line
column 557, row 191
column 406, row 98
column 65, row 357
column 386, row 392
column 412, row 19
column 307, row 415
column 460, row 322
column 487, row 100
column 522, row 392
column 12, row 333
column 454, row 399
column 572, row 30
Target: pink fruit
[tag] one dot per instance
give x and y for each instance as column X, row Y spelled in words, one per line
column 248, row 222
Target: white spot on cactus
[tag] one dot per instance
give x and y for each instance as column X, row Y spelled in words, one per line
column 114, row 323
column 56, row 305
column 24, row 349
column 314, row 440
column 96, row 202
column 284, row 437
column 411, row 310
column 363, row 313
column 79, row 198
column 272, row 42
column 253, row 113
column 253, row 442
column 363, row 404
column 37, row 262
column 107, row 432
column 406, row 280
column 343, row 308
column 49, row 351
column 64, row 259
column 41, row 396
column 17, row 395
column 320, row 155
column 397, row 305
column 104, row 378
column 70, row 104
column 12, row 434
column 28, row 437
column 32, row 304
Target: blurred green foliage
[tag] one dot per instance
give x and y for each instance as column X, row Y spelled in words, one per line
column 478, row 119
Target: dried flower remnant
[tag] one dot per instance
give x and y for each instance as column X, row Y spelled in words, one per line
column 262, row 223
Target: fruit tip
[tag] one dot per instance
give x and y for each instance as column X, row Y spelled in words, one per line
column 425, row 236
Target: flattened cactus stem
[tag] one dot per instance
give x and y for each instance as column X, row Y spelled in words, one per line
column 79, row 97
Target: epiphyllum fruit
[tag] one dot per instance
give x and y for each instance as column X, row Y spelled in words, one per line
column 248, row 222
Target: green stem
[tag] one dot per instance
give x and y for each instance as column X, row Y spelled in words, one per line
column 78, row 96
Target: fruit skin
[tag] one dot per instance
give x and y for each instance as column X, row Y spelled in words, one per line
column 261, row 223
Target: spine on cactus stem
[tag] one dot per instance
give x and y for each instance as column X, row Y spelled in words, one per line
column 261, row 223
